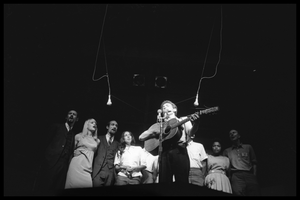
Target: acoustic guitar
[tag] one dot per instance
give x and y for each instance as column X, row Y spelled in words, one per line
column 170, row 130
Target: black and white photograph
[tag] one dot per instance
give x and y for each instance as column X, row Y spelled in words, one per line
column 149, row 99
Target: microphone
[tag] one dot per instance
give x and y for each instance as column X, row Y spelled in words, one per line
column 159, row 111
column 109, row 101
column 196, row 101
column 161, row 114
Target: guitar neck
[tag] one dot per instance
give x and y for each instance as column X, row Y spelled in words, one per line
column 183, row 121
column 188, row 117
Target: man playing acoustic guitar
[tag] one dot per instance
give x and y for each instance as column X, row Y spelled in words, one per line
column 174, row 160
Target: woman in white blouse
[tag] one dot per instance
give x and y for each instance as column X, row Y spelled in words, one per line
column 129, row 161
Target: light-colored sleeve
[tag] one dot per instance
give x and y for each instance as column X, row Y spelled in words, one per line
column 98, row 141
column 76, row 140
column 152, row 130
column 208, row 163
column 142, row 154
column 156, row 163
column 227, row 163
column 203, row 154
column 145, row 135
column 187, row 126
column 144, row 158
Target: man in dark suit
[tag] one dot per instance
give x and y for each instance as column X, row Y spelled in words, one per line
column 103, row 166
column 57, row 156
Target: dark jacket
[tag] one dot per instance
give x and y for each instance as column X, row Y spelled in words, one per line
column 57, row 147
column 105, row 154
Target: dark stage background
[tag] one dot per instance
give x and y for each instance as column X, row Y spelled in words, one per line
column 51, row 51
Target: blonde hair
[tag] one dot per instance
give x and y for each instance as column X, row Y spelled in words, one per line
column 85, row 129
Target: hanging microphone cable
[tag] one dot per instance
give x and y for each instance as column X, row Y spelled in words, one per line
column 196, row 100
column 109, row 102
column 101, row 34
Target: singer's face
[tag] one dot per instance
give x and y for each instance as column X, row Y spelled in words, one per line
column 168, row 108
column 72, row 116
column 92, row 125
column 127, row 137
column 113, row 127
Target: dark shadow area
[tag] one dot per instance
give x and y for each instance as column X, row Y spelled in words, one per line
column 157, row 189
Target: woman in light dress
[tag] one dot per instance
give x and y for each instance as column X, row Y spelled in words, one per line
column 80, row 168
column 218, row 167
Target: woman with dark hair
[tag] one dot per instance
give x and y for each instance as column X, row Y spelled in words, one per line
column 218, row 169
column 129, row 161
column 80, row 169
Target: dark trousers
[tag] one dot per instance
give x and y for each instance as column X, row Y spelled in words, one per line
column 174, row 161
column 244, row 183
column 52, row 180
column 122, row 180
column 196, row 176
column 105, row 177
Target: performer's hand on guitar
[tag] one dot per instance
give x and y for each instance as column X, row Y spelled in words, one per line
column 194, row 117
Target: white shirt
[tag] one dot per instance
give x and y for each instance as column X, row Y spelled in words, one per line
column 196, row 153
column 132, row 156
column 111, row 139
column 150, row 160
column 67, row 126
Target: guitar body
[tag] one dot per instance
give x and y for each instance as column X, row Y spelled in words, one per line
column 151, row 144
column 171, row 131
column 170, row 135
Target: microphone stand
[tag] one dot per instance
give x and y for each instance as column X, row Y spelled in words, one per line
column 160, row 148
